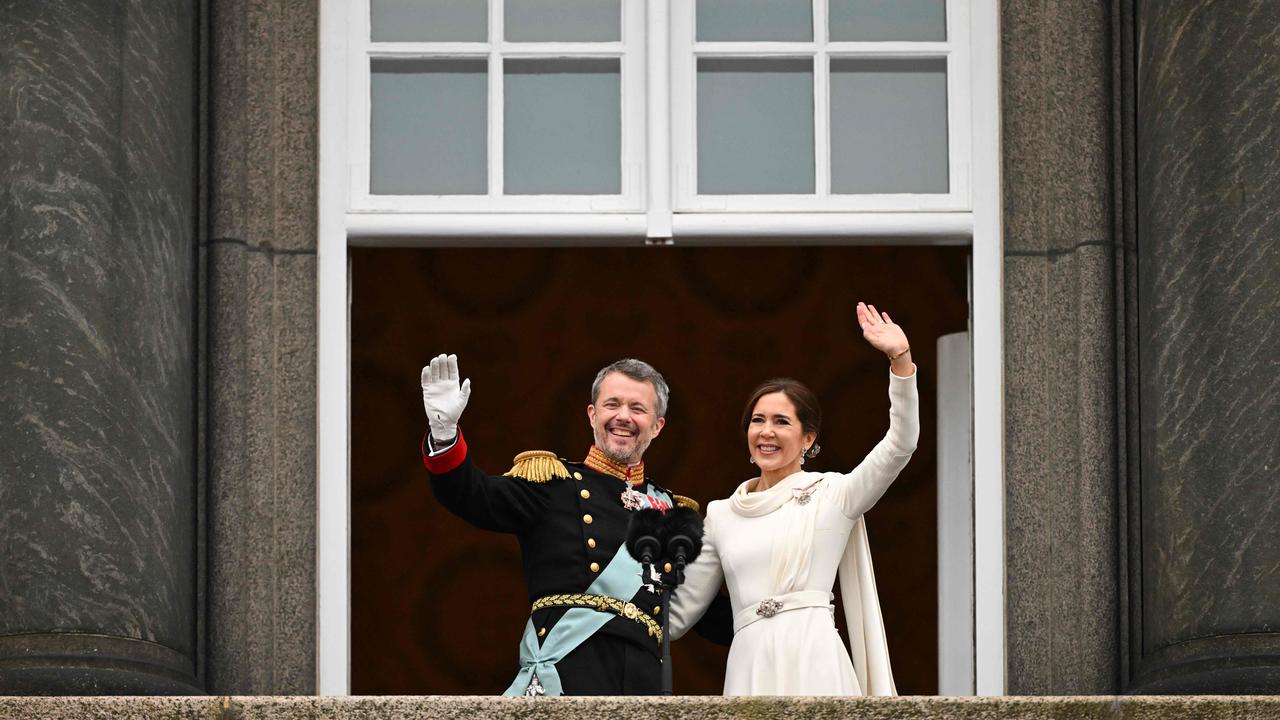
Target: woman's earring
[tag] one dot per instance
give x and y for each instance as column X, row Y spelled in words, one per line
column 751, row 460
column 803, row 455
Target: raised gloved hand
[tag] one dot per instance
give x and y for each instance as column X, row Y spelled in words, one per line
column 442, row 397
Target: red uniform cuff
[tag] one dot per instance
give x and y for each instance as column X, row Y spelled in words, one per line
column 450, row 460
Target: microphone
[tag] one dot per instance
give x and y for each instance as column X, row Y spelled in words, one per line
column 684, row 535
column 645, row 535
column 674, row 537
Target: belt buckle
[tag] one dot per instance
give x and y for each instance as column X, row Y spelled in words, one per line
column 630, row 611
column 768, row 608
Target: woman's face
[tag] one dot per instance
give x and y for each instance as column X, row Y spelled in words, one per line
column 774, row 436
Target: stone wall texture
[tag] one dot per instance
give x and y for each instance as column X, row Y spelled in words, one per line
column 261, row 301
column 715, row 708
column 1060, row 329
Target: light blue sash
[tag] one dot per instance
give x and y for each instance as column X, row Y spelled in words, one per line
column 621, row 580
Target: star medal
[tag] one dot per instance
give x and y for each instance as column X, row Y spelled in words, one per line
column 633, row 500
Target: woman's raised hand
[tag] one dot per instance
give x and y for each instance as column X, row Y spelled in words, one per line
column 885, row 335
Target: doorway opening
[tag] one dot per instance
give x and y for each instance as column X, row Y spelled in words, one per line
column 437, row 607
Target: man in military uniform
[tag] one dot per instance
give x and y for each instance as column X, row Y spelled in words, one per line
column 594, row 626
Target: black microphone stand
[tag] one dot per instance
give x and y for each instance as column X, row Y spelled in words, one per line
column 666, row 584
column 671, row 546
column 666, row 631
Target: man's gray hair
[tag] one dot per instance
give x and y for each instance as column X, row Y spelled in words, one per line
column 640, row 371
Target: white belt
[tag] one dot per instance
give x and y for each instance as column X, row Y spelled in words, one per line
column 769, row 607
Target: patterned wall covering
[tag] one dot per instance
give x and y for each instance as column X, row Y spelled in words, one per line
column 437, row 605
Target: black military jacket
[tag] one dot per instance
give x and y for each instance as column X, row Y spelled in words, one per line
column 569, row 528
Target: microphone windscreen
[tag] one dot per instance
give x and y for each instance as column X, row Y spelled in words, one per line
column 685, row 522
column 647, row 523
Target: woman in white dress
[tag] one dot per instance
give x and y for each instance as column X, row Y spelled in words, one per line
column 780, row 538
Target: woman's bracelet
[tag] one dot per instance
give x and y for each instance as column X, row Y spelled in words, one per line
column 904, row 352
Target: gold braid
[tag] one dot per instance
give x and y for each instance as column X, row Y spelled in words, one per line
column 602, row 603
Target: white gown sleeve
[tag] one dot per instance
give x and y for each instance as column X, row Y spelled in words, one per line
column 855, row 492
column 702, row 580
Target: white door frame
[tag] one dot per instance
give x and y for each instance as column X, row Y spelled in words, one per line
column 333, row 506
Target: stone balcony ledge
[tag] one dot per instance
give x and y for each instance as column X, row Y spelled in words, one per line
column 674, row 708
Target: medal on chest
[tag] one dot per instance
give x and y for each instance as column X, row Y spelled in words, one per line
column 633, row 499
column 803, row 495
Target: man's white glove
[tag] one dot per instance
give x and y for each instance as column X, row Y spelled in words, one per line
column 443, row 398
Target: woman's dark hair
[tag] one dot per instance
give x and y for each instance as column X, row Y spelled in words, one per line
column 808, row 409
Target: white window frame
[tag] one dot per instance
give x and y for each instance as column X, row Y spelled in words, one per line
column 954, row 51
column 344, row 223
column 629, row 51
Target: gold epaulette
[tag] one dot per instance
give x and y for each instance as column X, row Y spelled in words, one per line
column 682, row 501
column 538, row 466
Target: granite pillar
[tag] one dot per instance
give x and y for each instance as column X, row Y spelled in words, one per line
column 261, row 256
column 1060, row 349
column 1203, row 532
column 99, row 490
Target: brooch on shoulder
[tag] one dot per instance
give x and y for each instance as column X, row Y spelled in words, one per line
column 803, row 495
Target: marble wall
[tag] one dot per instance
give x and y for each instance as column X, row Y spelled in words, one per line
column 1204, row 532
column 124, row 307
column 99, row 494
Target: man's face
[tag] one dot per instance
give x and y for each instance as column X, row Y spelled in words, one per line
column 624, row 418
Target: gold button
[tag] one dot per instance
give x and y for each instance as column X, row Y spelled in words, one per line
column 577, row 476
column 591, row 542
column 595, row 567
column 585, row 493
column 587, row 519
column 542, row 632
column 657, row 609
column 666, row 568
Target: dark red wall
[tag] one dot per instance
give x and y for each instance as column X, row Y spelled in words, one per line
column 438, row 606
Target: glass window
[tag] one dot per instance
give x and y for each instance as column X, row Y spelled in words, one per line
column 428, row 127
column 562, row 127
column 888, row 126
column 563, row 20
column 738, row 20
column 804, row 106
column 882, row 20
column 429, row 20
column 755, row 126
column 776, row 106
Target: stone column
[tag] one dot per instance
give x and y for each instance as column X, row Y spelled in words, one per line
column 1203, row 530
column 99, row 495
column 261, row 257
column 1060, row 363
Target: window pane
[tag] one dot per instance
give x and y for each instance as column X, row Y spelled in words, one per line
column 878, row 20
column 779, row 20
column 755, row 126
column 429, row 127
column 563, row 20
column 563, row 127
column 889, row 126
column 429, row 20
